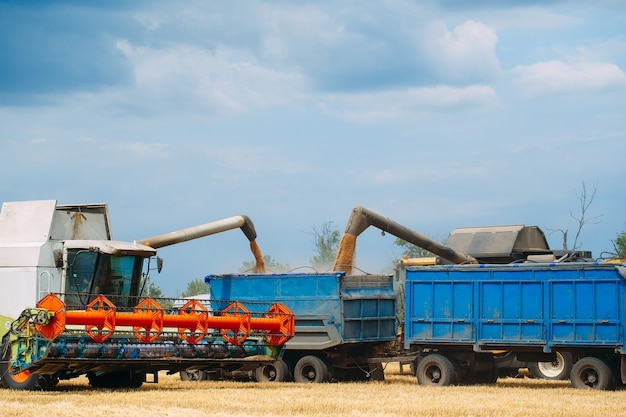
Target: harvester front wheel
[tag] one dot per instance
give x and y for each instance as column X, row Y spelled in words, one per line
column 116, row 379
column 24, row 381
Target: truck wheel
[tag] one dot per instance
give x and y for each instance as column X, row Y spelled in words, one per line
column 592, row 373
column 436, row 369
column 558, row 369
column 311, row 369
column 192, row 375
column 273, row 372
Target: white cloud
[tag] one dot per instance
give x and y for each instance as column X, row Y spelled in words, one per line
column 465, row 53
column 147, row 150
column 557, row 77
column 407, row 103
column 250, row 158
column 226, row 79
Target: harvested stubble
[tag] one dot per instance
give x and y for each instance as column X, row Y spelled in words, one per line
column 398, row 396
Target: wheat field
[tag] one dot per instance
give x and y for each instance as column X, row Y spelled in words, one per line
column 399, row 395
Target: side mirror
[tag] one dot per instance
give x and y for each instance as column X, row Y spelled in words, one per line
column 58, row 258
column 159, row 264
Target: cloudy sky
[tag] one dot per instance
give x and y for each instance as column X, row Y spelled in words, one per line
column 435, row 113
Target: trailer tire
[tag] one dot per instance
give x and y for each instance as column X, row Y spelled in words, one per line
column 311, row 369
column 193, row 375
column 558, row 369
column 592, row 373
column 274, row 372
column 436, row 370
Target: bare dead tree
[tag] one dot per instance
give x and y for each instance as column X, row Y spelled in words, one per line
column 585, row 199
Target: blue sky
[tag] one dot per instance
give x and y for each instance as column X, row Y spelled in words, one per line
column 437, row 114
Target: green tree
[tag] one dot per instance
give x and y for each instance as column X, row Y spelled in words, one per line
column 326, row 244
column 154, row 291
column 271, row 265
column 619, row 244
column 195, row 287
column 410, row 250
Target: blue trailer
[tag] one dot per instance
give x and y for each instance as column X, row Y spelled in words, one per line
column 341, row 321
column 457, row 315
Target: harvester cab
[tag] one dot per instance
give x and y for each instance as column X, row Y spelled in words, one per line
column 66, row 249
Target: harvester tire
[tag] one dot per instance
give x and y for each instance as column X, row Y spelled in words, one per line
column 311, row 369
column 24, row 381
column 117, row 379
column 273, row 372
column 559, row 369
column 437, row 370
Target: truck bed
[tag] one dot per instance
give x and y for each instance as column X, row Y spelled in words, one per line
column 331, row 308
column 533, row 307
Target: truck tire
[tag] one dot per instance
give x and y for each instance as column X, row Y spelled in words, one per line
column 592, row 373
column 311, row 369
column 437, row 370
column 558, row 369
column 192, row 375
column 273, row 372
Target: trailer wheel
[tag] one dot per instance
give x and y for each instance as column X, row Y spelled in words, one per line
column 558, row 369
column 436, row 369
column 192, row 375
column 592, row 373
column 273, row 372
column 311, row 369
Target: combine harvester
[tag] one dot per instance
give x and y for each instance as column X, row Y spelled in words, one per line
column 507, row 293
column 90, row 316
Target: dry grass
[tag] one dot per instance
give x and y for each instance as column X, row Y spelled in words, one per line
column 398, row 396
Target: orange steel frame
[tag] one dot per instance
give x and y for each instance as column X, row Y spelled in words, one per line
column 149, row 320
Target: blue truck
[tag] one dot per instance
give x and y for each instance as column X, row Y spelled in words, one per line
column 457, row 315
column 341, row 321
column 455, row 318
column 494, row 289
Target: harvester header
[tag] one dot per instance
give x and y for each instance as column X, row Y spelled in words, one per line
column 54, row 337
